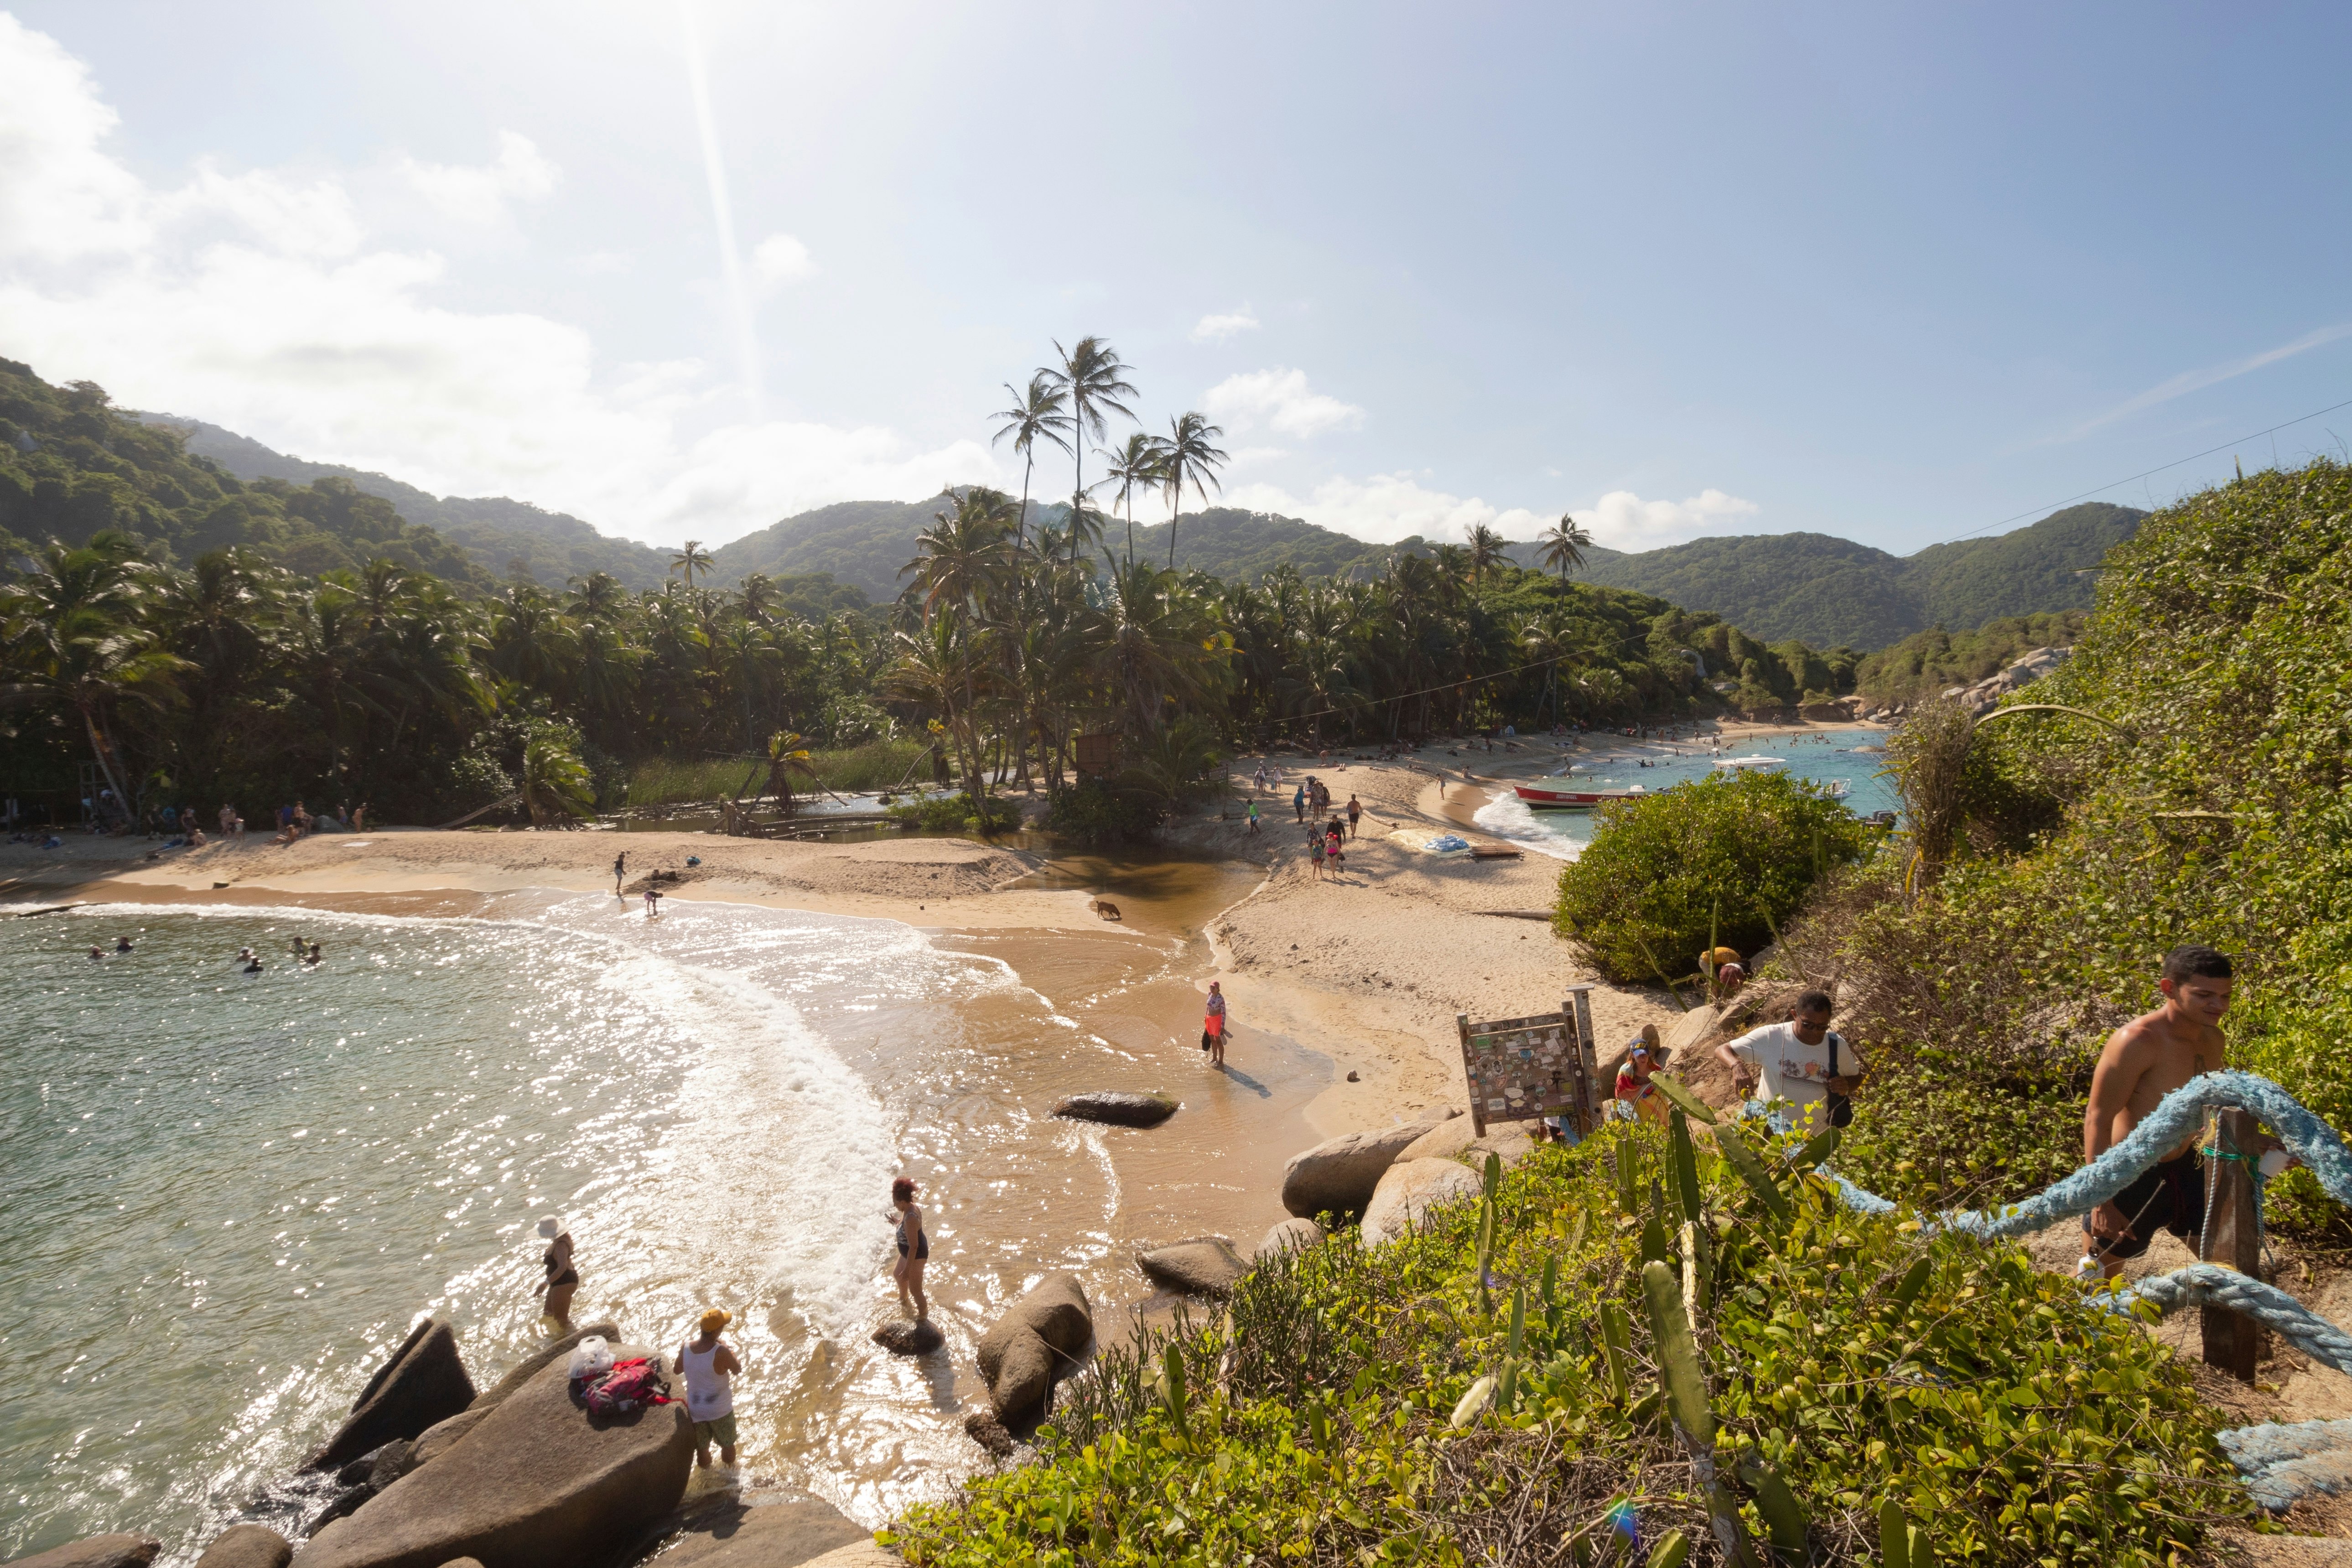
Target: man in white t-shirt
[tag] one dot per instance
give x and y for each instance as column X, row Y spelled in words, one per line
column 1794, row 1060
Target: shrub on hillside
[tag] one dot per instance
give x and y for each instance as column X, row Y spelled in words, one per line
column 1093, row 814
column 1729, row 857
column 954, row 814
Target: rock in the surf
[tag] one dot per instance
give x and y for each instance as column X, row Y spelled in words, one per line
column 440, row 1437
column 96, row 1552
column 1408, row 1190
column 1338, row 1174
column 1207, row 1266
column 424, row 1382
column 1290, row 1236
column 1117, row 1109
column 558, row 1350
column 246, row 1546
column 983, row 1428
column 900, row 1337
column 772, row 1535
column 1040, row 1338
column 538, row 1482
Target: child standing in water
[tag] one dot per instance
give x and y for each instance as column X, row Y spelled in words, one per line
column 914, row 1248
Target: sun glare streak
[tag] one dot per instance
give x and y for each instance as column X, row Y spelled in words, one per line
column 722, row 208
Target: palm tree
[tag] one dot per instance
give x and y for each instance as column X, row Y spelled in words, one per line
column 1083, row 528
column 787, row 756
column 1564, row 545
column 691, row 560
column 961, row 560
column 76, row 635
column 554, row 780
column 1189, row 458
column 1093, row 379
column 1036, row 416
column 1486, row 548
column 1137, row 462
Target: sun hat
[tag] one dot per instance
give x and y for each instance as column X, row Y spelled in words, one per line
column 551, row 1226
column 715, row 1320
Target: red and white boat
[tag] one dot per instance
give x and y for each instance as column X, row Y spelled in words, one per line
column 1540, row 797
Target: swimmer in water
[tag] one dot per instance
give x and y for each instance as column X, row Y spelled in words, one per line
column 122, row 944
column 312, row 956
column 97, row 955
column 300, row 947
column 253, row 964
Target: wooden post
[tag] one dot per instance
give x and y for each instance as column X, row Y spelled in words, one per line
column 2233, row 1238
column 1579, row 1008
column 1470, row 1084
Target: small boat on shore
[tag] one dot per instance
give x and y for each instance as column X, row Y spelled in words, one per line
column 1542, row 797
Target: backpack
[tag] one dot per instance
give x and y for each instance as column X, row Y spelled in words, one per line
column 1840, row 1106
column 630, row 1383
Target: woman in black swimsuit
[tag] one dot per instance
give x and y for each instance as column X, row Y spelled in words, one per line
column 914, row 1248
column 563, row 1279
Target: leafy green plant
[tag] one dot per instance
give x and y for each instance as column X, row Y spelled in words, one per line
column 555, row 781
column 953, row 814
column 1661, row 871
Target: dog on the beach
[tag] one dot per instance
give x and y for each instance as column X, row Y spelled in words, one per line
column 1104, row 908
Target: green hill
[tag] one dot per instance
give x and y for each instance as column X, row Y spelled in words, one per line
column 1832, row 592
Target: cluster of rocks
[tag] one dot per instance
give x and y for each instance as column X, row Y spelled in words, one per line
column 1392, row 1176
column 432, row 1474
column 1985, row 695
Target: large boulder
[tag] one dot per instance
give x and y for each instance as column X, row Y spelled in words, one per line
column 1340, row 1174
column 1117, row 1109
column 780, row 1534
column 1442, row 1142
column 246, row 1546
column 538, row 1482
column 97, row 1552
column 1408, row 1190
column 559, row 1350
column 424, row 1382
column 439, row 1438
column 1206, row 1266
column 1290, row 1236
column 1040, row 1338
column 857, row 1554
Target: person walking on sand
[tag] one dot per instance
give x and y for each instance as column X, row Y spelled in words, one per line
column 709, row 1364
column 914, row 1248
column 620, row 870
column 1213, row 1023
column 1355, row 813
column 1261, row 776
column 1253, row 815
column 1298, row 802
column 562, row 1277
column 1335, row 848
column 1315, row 850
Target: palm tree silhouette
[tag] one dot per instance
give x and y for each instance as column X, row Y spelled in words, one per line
column 1036, row 416
column 1093, row 379
column 1137, row 462
column 1564, row 544
column 691, row 560
column 1187, row 454
column 1486, row 548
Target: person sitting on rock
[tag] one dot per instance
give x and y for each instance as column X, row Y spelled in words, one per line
column 914, row 1248
column 708, row 1363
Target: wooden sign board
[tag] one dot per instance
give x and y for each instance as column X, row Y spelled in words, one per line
column 1520, row 1068
column 1096, row 754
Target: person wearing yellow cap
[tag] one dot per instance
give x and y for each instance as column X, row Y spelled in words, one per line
column 709, row 1364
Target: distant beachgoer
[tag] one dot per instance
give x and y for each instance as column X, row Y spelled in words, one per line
column 1355, row 813
column 1253, row 815
column 653, row 902
column 1728, row 979
column 620, row 869
column 562, row 1276
column 122, row 944
column 196, row 838
column 300, row 947
column 244, row 955
column 1634, row 1090
column 1315, row 852
column 359, row 818
column 314, row 956
column 253, row 966
column 1213, row 1023
column 1260, row 778
column 914, row 1248
column 97, row 953
column 1335, row 846
column 708, row 1365
column 1298, row 802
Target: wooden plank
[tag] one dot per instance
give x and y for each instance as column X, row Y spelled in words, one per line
column 2233, row 1238
column 1470, row 1076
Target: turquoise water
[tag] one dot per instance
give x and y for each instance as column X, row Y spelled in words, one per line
column 1823, row 757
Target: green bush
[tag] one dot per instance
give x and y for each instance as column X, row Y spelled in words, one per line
column 1321, row 1417
column 953, row 814
column 1093, row 814
column 1731, row 855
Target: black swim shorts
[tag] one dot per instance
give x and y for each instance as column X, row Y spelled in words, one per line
column 2169, row 1196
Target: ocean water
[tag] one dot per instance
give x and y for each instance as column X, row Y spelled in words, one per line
column 226, row 1197
column 1823, row 757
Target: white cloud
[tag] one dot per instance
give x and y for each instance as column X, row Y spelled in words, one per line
column 1217, row 329
column 478, row 192
column 2189, row 381
column 1278, row 399
column 781, row 258
column 260, row 303
column 1386, row 508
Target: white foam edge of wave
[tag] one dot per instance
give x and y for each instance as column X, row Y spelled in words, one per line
column 1509, row 817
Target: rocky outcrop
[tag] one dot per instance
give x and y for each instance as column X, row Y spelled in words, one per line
column 97, row 1552
column 901, row 1336
column 538, row 1482
column 1041, row 1337
column 1986, row 694
column 1207, row 1266
column 1117, row 1109
column 560, row 1350
column 424, row 1382
column 1290, row 1236
column 780, row 1534
column 856, row 1554
column 440, row 1437
column 1410, row 1189
column 1338, row 1174
column 1442, row 1142
column 247, row 1546
column 983, row 1428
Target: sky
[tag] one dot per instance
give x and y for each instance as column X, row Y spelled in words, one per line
column 1903, row 274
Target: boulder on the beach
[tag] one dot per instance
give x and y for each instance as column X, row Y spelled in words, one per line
column 1510, row 1143
column 246, row 1546
column 558, row 1350
column 424, row 1382
column 983, row 1428
column 1040, row 1337
column 1117, row 1107
column 1290, row 1236
column 1408, row 1190
column 1442, row 1142
column 901, row 1336
column 96, row 1552
column 1340, row 1174
column 1207, row 1266
column 440, row 1437
column 777, row 1534
column 538, row 1482
column 857, row 1554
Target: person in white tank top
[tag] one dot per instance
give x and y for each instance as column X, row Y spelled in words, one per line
column 709, row 1364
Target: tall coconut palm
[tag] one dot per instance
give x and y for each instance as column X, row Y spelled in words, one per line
column 1486, row 547
column 1036, row 415
column 1564, row 544
column 1137, row 463
column 555, row 783
column 964, row 557
column 1189, row 456
column 691, row 560
column 77, row 635
column 1093, row 380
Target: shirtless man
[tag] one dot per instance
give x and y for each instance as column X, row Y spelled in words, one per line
column 2145, row 1061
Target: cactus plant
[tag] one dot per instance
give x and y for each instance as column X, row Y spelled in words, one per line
column 1626, row 1201
column 1616, row 1349
column 1817, row 1148
column 1784, row 1517
column 1677, row 1092
column 1474, row 1403
column 1750, row 1167
column 1671, row 1552
column 1685, row 1162
column 1685, row 1381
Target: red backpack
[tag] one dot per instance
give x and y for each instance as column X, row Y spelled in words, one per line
column 630, row 1383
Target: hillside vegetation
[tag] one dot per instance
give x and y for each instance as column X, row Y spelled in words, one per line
column 1926, row 663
